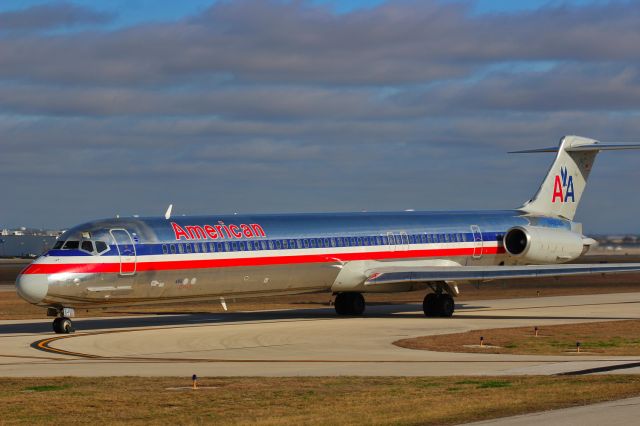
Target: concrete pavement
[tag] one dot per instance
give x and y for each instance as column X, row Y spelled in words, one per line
column 302, row 342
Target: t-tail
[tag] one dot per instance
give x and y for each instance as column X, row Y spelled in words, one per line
column 562, row 188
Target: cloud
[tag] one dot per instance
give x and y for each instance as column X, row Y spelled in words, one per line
column 51, row 16
column 276, row 105
column 397, row 43
column 570, row 86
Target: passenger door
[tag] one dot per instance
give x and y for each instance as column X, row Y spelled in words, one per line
column 477, row 241
column 126, row 250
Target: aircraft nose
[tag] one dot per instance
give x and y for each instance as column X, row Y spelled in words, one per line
column 32, row 287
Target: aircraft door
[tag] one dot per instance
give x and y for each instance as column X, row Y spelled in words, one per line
column 477, row 241
column 126, row 250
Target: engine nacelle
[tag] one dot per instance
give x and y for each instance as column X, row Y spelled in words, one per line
column 533, row 244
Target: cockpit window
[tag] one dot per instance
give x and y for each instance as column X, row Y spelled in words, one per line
column 101, row 246
column 71, row 245
column 87, row 246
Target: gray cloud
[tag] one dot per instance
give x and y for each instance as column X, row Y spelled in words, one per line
column 294, row 42
column 51, row 16
column 564, row 87
column 285, row 106
column 283, row 102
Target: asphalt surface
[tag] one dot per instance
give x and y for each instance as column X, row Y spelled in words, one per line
column 312, row 342
column 612, row 413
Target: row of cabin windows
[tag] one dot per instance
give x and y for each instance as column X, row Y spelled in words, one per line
column 304, row 243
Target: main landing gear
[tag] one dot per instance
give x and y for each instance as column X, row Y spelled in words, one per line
column 62, row 324
column 349, row 304
column 438, row 305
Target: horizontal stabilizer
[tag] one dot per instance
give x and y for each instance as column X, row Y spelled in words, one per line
column 583, row 148
column 604, row 147
column 393, row 275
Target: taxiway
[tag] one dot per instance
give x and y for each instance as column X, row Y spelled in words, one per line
column 310, row 342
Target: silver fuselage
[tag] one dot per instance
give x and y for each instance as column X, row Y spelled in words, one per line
column 131, row 261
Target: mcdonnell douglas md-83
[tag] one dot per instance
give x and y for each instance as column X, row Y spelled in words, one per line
column 132, row 261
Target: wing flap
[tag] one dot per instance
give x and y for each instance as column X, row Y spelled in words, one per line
column 398, row 274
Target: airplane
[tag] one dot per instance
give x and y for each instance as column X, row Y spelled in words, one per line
column 134, row 261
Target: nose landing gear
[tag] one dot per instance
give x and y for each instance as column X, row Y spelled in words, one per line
column 62, row 324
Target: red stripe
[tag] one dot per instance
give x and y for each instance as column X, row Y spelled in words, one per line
column 52, row 268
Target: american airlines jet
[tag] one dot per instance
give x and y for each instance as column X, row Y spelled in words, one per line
column 132, row 261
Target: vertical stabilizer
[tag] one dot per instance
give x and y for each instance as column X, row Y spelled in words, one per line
column 562, row 188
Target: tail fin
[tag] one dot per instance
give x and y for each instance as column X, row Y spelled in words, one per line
column 562, row 188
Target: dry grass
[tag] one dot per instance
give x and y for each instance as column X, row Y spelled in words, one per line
column 343, row 400
column 603, row 338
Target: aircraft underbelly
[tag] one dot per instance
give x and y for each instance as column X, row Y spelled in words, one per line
column 166, row 286
column 192, row 284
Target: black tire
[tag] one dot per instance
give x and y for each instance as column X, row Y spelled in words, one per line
column 446, row 306
column 430, row 305
column 67, row 326
column 57, row 326
column 358, row 304
column 63, row 326
column 350, row 304
column 438, row 305
column 341, row 304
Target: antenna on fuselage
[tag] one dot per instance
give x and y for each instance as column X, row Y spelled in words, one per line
column 167, row 215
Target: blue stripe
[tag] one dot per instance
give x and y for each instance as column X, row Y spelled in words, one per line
column 278, row 244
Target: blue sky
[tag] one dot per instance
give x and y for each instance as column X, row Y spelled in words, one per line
column 123, row 107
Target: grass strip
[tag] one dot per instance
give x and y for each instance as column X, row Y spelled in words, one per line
column 616, row 338
column 314, row 400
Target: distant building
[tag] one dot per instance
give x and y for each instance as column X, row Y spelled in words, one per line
column 26, row 242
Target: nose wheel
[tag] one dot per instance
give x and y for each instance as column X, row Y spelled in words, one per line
column 63, row 325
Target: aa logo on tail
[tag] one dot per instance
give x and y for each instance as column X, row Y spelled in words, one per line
column 563, row 187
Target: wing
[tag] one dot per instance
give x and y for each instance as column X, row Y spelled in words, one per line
column 421, row 274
